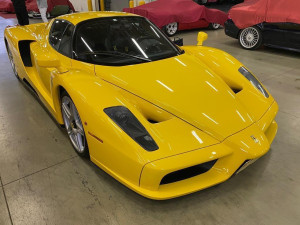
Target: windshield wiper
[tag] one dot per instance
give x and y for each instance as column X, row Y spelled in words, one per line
column 112, row 53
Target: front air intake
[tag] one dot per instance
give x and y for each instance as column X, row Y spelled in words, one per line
column 187, row 172
column 236, row 90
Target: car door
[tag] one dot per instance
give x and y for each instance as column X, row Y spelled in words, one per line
column 292, row 35
column 60, row 36
column 274, row 34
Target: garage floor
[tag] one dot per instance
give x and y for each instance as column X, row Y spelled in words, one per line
column 43, row 181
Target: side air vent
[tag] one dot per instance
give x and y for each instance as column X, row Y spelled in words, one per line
column 187, row 172
column 236, row 90
column 152, row 121
column 24, row 48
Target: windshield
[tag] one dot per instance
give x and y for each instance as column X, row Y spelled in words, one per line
column 118, row 41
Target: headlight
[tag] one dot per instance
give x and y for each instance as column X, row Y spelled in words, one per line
column 131, row 126
column 253, row 81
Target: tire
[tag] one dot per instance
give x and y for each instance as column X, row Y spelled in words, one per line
column 11, row 60
column 251, row 38
column 214, row 26
column 171, row 29
column 74, row 125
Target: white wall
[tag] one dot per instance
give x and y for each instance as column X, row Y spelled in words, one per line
column 136, row 2
column 118, row 5
column 81, row 5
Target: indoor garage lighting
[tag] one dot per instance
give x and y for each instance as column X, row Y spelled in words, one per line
column 139, row 47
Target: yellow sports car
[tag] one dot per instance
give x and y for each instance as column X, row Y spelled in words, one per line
column 163, row 120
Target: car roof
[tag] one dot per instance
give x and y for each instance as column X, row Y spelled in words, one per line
column 76, row 18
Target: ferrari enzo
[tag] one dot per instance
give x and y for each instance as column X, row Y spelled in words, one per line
column 163, row 120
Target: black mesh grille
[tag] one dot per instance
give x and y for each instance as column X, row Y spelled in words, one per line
column 187, row 172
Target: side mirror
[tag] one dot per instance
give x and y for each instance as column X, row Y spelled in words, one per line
column 49, row 60
column 178, row 41
column 202, row 36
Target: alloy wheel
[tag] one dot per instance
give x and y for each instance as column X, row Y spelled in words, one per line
column 171, row 28
column 249, row 37
column 215, row 26
column 73, row 124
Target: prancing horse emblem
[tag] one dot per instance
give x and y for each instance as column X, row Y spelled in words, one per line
column 254, row 139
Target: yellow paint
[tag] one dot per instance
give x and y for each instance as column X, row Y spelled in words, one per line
column 90, row 5
column 102, row 5
column 141, row 2
column 131, row 4
column 199, row 117
column 202, row 36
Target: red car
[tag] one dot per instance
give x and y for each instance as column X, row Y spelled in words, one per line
column 175, row 15
column 6, row 6
column 204, row 2
column 263, row 22
column 32, row 8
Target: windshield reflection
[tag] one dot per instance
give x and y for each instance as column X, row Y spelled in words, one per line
column 118, row 41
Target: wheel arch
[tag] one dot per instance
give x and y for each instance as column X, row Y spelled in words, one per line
column 91, row 95
column 83, row 89
column 56, row 95
column 260, row 26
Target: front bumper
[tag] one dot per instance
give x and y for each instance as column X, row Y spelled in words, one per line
column 231, row 29
column 250, row 143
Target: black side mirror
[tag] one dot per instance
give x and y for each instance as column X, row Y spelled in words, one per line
column 178, row 41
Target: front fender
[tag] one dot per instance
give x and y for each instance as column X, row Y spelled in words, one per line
column 226, row 67
column 21, row 33
column 110, row 148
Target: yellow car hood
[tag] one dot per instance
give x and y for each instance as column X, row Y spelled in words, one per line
column 186, row 88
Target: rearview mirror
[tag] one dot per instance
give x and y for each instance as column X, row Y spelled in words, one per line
column 49, row 60
column 202, row 36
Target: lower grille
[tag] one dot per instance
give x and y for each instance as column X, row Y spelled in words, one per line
column 187, row 172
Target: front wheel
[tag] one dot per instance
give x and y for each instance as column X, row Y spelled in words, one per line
column 171, row 29
column 214, row 26
column 74, row 125
column 251, row 38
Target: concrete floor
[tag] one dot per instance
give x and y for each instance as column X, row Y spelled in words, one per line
column 43, row 181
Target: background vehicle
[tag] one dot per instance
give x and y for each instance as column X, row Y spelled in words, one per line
column 54, row 6
column 256, row 23
column 164, row 121
column 204, row 2
column 173, row 16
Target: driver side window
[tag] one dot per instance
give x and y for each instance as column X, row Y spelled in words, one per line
column 60, row 36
